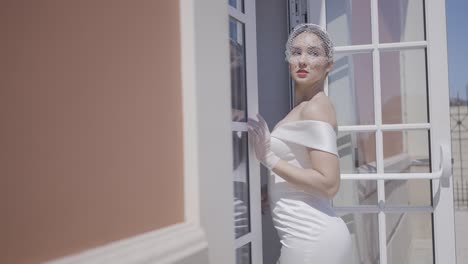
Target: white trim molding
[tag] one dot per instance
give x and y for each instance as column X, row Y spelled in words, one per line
column 189, row 110
column 168, row 245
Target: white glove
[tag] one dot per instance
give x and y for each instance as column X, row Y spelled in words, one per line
column 259, row 136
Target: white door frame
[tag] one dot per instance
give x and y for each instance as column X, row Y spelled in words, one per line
column 439, row 127
column 444, row 228
column 254, row 237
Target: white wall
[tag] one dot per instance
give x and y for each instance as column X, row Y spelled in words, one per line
column 273, row 91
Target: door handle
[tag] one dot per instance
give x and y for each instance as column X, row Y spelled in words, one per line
column 443, row 173
column 446, row 165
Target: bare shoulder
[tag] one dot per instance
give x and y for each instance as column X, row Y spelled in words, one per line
column 319, row 108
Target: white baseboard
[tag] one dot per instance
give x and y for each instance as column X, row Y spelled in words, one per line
column 167, row 245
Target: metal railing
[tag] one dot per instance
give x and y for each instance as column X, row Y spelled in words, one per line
column 460, row 194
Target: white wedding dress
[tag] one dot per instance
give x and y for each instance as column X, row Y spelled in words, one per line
column 308, row 228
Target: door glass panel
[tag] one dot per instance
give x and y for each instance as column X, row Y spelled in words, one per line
column 241, row 184
column 401, row 20
column 350, row 87
column 406, row 151
column 459, row 123
column 349, row 22
column 357, row 152
column 356, row 192
column 408, row 192
column 244, row 254
column 460, row 193
column 404, row 86
column 364, row 230
column 409, row 238
column 238, row 75
column 357, row 155
column 237, row 4
column 459, row 132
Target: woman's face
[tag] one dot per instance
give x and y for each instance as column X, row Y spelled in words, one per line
column 308, row 63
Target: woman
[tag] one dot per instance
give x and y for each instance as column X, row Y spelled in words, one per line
column 302, row 155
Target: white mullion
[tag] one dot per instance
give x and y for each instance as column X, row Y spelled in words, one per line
column 357, row 209
column 378, row 122
column 358, row 128
column 323, row 15
column 323, row 24
column 354, row 49
column 384, row 208
column 237, row 14
column 398, row 127
column 241, row 241
column 408, row 209
column 252, row 108
column 392, row 176
column 382, row 47
column 389, row 127
column 238, row 126
column 402, row 45
column 240, row 5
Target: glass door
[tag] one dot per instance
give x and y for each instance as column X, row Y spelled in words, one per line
column 246, row 171
column 389, row 85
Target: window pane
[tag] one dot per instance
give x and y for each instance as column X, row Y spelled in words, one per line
column 364, row 229
column 244, row 254
column 350, row 87
column 357, row 155
column 404, row 86
column 356, row 192
column 408, row 192
column 406, row 151
column 349, row 22
column 237, row 4
column 460, row 194
column 409, row 238
column 241, row 184
column 401, row 20
column 461, row 229
column 357, row 152
column 459, row 131
column 238, row 77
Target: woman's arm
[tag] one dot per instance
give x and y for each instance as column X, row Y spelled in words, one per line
column 324, row 176
column 322, row 179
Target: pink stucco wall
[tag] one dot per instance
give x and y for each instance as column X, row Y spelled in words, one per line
column 91, row 137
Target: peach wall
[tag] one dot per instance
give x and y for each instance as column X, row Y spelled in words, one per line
column 390, row 78
column 361, row 28
column 91, row 137
column 389, row 31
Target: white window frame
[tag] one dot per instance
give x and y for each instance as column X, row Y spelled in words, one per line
column 248, row 18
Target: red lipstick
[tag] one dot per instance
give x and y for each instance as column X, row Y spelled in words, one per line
column 302, row 73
